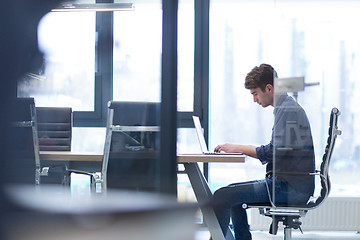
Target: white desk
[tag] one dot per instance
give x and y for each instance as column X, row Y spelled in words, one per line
column 71, row 156
column 97, row 157
column 197, row 179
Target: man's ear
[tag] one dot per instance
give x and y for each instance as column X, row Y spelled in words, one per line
column 270, row 88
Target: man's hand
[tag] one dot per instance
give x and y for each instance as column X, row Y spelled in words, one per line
column 236, row 148
column 227, row 147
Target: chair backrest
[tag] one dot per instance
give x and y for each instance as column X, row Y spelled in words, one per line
column 54, row 128
column 325, row 164
column 131, row 143
column 24, row 141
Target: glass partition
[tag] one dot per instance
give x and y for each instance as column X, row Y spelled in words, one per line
column 78, row 53
column 132, row 143
column 297, row 41
column 290, row 173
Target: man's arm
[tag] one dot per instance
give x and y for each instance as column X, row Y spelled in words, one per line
column 248, row 150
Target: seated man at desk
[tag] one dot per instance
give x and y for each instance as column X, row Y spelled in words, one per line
column 290, row 150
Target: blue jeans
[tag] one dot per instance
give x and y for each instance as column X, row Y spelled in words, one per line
column 227, row 202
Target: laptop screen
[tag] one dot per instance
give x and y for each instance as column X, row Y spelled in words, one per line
column 200, row 134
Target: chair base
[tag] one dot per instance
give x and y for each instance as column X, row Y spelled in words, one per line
column 287, row 233
column 290, row 222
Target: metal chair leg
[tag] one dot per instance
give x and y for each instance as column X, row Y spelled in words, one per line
column 287, row 233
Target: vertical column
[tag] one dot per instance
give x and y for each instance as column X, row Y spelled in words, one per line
column 166, row 164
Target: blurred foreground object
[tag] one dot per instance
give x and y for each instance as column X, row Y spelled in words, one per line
column 54, row 213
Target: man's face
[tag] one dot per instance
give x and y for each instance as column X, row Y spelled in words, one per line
column 263, row 98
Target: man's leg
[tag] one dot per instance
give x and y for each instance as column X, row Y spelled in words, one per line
column 240, row 223
column 227, row 201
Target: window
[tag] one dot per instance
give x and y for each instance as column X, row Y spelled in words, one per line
column 67, row 77
column 186, row 56
column 137, row 54
column 83, row 71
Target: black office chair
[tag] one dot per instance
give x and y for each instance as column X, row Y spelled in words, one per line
column 54, row 126
column 25, row 146
column 24, row 141
column 134, row 145
column 54, row 129
column 290, row 216
column 130, row 149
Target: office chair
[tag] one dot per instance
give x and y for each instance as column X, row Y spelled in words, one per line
column 25, row 143
column 54, row 129
column 54, row 125
column 131, row 145
column 290, row 216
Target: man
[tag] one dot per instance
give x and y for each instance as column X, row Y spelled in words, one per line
column 288, row 157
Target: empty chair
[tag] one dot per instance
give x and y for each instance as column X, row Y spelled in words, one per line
column 26, row 167
column 54, row 128
column 132, row 145
column 24, row 152
column 130, row 149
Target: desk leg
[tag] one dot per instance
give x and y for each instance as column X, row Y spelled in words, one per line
column 203, row 193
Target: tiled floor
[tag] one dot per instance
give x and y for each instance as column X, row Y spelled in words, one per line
column 203, row 234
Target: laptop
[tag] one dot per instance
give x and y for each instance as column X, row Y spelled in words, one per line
column 202, row 142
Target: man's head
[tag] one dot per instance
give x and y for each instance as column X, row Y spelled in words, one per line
column 260, row 82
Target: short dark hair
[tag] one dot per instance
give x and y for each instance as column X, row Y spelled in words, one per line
column 260, row 76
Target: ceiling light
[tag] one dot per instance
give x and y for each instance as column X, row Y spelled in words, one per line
column 82, row 7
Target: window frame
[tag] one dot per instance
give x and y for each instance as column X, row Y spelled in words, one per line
column 103, row 74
